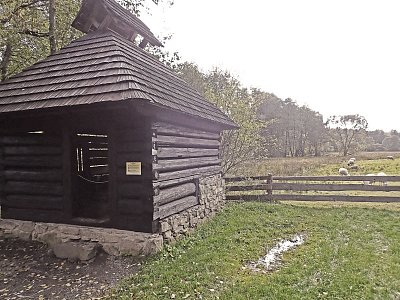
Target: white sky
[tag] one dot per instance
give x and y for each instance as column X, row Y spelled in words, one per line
column 336, row 56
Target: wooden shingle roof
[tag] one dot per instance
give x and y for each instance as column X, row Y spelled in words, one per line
column 103, row 67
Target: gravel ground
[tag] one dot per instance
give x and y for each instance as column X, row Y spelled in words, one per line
column 28, row 270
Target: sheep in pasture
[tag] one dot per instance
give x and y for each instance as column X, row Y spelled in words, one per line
column 369, row 182
column 343, row 172
column 382, row 182
column 351, row 161
column 390, row 157
column 354, row 167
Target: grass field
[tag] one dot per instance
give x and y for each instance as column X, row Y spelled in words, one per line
column 351, row 252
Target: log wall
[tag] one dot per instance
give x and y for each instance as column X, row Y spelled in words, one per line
column 181, row 156
column 130, row 141
column 32, row 177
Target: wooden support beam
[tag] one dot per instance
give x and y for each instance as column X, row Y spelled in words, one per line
column 165, row 140
column 173, row 130
column 33, row 188
column 188, row 163
column 176, row 207
column 189, row 172
column 45, row 175
column 185, row 152
column 174, row 193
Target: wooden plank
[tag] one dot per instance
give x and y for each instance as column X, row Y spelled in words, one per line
column 185, row 152
column 31, row 139
column 187, row 163
column 260, row 197
column 168, row 129
column 132, row 147
column 32, row 150
column 176, row 207
column 2, row 175
column 332, row 187
column 134, row 135
column 334, row 198
column 338, row 178
column 255, row 187
column 173, row 182
column 315, row 178
column 189, row 172
column 164, row 140
column 95, row 161
column 97, row 153
column 46, row 175
column 33, row 188
column 36, row 215
column 32, row 162
column 34, row 202
column 174, row 193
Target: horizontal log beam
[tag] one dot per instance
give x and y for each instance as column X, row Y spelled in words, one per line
column 38, row 215
column 175, row 207
column 40, row 175
column 173, row 182
column 174, row 193
column 134, row 206
column 32, row 150
column 33, row 202
column 33, row 188
column 187, row 163
column 164, row 140
column 167, row 129
column 32, row 162
column 31, row 139
column 189, row 172
column 185, row 152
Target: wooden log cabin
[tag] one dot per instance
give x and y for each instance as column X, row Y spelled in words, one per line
column 103, row 134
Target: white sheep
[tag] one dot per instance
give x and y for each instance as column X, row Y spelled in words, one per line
column 343, row 172
column 351, row 161
column 382, row 182
column 369, row 182
column 390, row 157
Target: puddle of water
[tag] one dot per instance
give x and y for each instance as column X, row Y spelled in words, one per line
column 270, row 261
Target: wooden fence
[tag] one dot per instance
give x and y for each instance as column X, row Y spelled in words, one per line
column 322, row 188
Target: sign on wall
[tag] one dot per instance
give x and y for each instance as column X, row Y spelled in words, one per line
column 133, row 168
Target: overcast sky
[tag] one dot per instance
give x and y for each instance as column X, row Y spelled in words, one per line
column 337, row 57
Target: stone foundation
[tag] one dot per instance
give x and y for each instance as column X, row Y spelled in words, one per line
column 81, row 242
column 211, row 200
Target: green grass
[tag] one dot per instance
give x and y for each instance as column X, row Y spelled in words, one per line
column 351, row 252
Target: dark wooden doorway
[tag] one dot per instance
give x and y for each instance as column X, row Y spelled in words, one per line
column 91, row 203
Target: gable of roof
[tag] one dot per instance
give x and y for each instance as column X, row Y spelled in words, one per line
column 103, row 67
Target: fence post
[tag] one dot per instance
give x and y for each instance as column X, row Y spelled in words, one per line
column 269, row 190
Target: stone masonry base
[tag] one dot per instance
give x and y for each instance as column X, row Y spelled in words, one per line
column 81, row 242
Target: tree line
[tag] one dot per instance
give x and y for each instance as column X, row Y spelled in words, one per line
column 269, row 126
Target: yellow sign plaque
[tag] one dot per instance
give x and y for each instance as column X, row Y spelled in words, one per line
column 133, row 168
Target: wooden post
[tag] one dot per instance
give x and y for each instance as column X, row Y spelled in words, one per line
column 269, row 190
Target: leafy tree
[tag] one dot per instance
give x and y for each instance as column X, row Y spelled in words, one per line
column 242, row 105
column 392, row 143
column 30, row 30
column 345, row 130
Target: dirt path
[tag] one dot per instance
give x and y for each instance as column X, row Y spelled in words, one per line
column 28, row 270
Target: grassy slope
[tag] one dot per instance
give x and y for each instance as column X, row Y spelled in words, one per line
column 350, row 253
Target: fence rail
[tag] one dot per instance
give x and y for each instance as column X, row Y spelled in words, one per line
column 262, row 188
